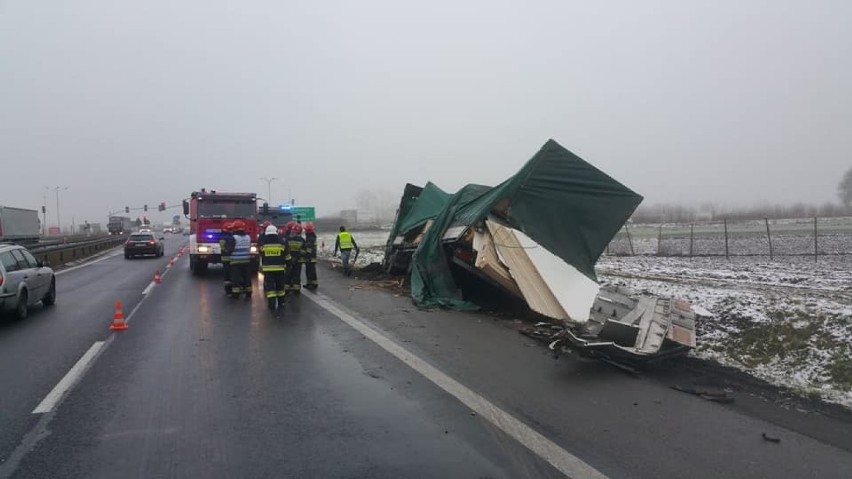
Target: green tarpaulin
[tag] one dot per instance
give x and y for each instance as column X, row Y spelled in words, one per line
column 429, row 204
column 565, row 204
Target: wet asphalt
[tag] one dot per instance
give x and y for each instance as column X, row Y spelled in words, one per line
column 203, row 385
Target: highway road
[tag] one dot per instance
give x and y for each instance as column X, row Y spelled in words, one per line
column 350, row 382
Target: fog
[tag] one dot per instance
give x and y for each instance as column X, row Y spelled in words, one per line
column 128, row 103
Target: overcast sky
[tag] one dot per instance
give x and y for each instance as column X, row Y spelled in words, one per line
column 133, row 102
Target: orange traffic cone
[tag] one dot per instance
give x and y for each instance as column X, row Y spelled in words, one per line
column 157, row 277
column 118, row 323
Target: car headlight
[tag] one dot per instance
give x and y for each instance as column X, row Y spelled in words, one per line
column 203, row 249
column 253, row 249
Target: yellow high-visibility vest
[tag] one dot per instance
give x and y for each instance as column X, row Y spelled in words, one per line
column 345, row 240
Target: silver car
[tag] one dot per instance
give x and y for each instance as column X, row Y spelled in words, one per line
column 24, row 280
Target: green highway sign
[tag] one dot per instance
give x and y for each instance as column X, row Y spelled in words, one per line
column 304, row 213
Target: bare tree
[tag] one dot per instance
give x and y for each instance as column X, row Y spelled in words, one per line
column 844, row 188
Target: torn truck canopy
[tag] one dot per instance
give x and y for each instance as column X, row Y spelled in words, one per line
column 564, row 204
column 427, row 206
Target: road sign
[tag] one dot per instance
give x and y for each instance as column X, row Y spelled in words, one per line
column 303, row 213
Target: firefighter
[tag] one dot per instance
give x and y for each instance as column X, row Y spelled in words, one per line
column 345, row 243
column 261, row 237
column 274, row 259
column 240, row 259
column 226, row 245
column 295, row 246
column 310, row 256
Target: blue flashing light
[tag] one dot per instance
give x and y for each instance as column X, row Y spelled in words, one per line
column 284, row 207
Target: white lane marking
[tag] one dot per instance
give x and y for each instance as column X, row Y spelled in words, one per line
column 89, row 263
column 67, row 382
column 567, row 463
column 148, row 288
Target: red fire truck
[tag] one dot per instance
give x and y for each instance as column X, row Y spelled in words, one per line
column 208, row 211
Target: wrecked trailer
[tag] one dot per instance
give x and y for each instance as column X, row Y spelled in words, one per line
column 536, row 237
column 558, row 201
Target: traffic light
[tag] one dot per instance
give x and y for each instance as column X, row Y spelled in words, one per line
column 145, row 208
column 127, row 209
column 161, row 206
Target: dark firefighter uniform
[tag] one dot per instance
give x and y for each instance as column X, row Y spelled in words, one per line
column 240, row 259
column 226, row 245
column 295, row 246
column 310, row 256
column 274, row 261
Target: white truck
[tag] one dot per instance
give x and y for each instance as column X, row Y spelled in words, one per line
column 19, row 225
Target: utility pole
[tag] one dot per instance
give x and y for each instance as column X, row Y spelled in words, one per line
column 269, row 188
column 44, row 215
column 57, row 190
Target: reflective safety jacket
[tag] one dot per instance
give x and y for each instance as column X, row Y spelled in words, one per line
column 296, row 246
column 310, row 251
column 344, row 239
column 274, row 256
column 242, row 249
column 226, row 245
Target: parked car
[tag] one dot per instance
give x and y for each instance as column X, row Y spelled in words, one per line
column 24, row 280
column 139, row 244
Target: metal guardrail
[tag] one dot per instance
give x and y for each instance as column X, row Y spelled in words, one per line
column 47, row 242
column 59, row 254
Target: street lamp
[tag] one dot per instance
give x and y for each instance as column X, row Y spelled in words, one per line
column 57, row 190
column 269, row 188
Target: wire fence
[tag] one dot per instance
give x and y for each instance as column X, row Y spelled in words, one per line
column 812, row 237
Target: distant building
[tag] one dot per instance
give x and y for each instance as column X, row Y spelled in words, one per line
column 349, row 217
column 90, row 228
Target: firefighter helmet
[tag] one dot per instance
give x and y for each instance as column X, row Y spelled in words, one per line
column 297, row 229
column 266, row 224
column 239, row 225
column 228, row 227
column 271, row 230
column 309, row 228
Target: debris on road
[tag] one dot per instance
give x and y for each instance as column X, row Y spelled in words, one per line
column 706, row 393
column 766, row 437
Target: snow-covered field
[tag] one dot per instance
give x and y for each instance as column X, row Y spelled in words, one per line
column 787, row 321
column 372, row 244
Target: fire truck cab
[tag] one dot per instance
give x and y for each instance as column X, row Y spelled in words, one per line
column 208, row 211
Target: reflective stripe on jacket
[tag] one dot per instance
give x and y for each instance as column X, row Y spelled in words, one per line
column 345, row 240
column 242, row 249
column 311, row 249
column 273, row 257
column 294, row 246
column 226, row 245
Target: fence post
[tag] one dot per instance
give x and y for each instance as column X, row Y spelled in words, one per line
column 691, row 237
column 629, row 239
column 660, row 240
column 816, row 250
column 726, row 239
column 768, row 237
